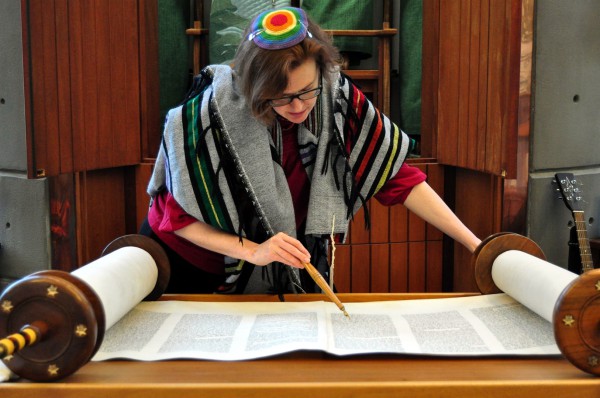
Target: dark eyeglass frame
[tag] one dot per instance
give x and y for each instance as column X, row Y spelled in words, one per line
column 302, row 96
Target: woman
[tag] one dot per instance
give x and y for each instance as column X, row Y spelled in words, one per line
column 259, row 161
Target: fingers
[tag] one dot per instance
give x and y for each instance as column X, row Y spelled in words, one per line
column 289, row 250
column 282, row 248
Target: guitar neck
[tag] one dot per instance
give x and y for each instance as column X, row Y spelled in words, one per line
column 584, row 244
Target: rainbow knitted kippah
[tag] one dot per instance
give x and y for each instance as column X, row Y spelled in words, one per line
column 281, row 28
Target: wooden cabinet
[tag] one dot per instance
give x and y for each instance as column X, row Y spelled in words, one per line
column 471, row 87
column 92, row 115
column 86, row 74
column 471, row 109
column 93, row 129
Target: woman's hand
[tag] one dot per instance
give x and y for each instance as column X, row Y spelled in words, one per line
column 281, row 248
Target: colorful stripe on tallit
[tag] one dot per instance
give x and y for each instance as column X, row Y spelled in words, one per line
column 373, row 142
column 201, row 167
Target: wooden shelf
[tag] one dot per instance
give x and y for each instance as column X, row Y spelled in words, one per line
column 196, row 31
column 363, row 33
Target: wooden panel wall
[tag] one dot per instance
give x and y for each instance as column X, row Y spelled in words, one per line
column 470, row 101
column 90, row 209
column 399, row 253
column 83, row 61
column 93, row 117
column 478, row 204
column 477, row 67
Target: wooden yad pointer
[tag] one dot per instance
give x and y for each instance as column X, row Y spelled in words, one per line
column 318, row 278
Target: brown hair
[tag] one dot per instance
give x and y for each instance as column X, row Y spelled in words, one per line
column 263, row 74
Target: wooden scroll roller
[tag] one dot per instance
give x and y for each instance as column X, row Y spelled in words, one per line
column 515, row 265
column 55, row 321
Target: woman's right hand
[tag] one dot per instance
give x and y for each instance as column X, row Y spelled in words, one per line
column 281, row 248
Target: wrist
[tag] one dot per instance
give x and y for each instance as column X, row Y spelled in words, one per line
column 247, row 250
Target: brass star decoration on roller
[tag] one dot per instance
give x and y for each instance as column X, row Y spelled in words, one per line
column 7, row 306
column 53, row 370
column 81, row 331
column 52, row 291
column 568, row 320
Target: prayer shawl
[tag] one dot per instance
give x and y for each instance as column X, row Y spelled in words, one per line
column 223, row 166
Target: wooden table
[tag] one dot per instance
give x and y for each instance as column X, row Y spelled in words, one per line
column 315, row 375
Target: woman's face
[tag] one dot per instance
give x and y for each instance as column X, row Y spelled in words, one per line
column 305, row 77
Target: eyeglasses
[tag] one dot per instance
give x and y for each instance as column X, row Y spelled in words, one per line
column 303, row 96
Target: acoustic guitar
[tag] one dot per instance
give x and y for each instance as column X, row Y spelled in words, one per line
column 572, row 195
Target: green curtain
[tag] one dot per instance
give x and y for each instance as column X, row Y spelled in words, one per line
column 348, row 14
column 228, row 20
column 174, row 52
column 410, row 54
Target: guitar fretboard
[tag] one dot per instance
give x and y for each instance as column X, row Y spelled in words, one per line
column 584, row 244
